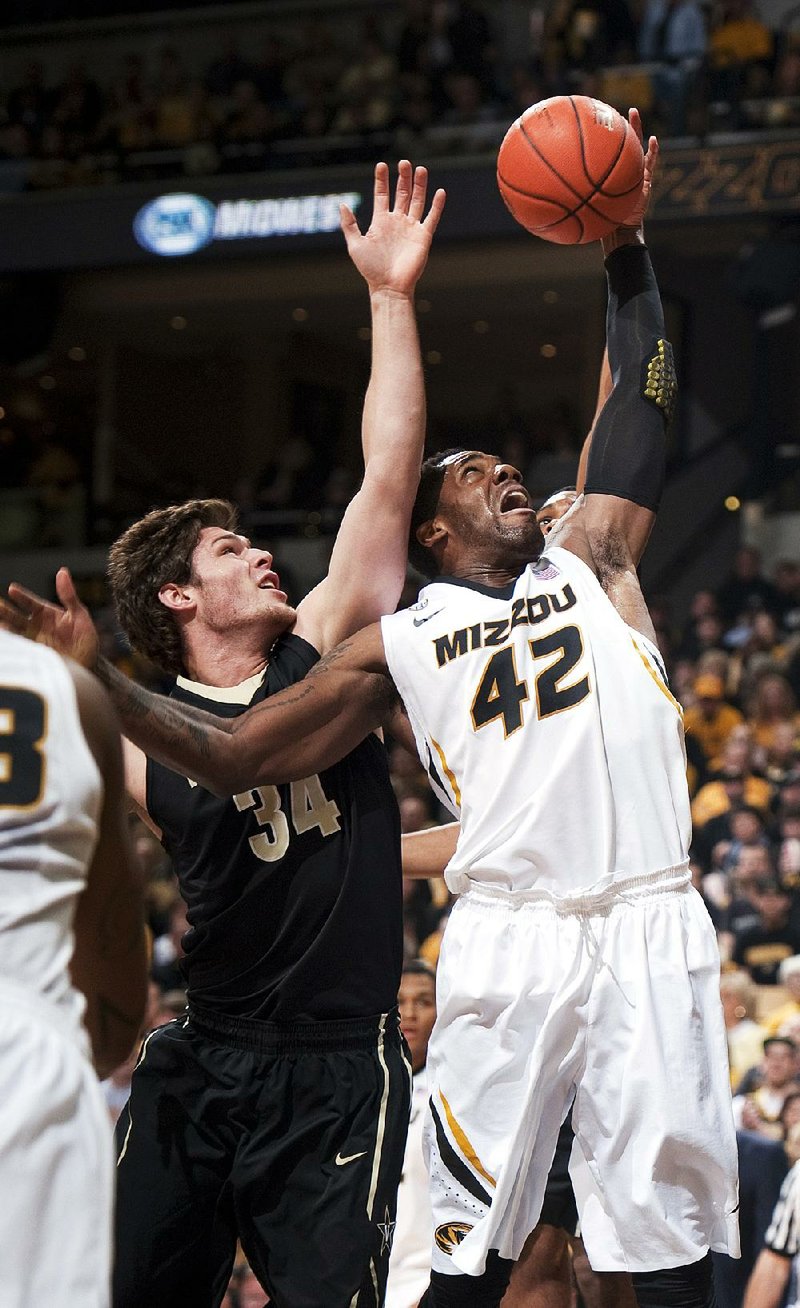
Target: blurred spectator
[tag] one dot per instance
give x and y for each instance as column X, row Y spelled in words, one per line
column 584, row 35
column 789, row 978
column 753, row 868
column 747, row 590
column 762, row 948
column 786, row 579
column 731, row 787
column 770, row 705
column 28, row 102
column 77, row 105
column 780, row 757
column 229, row 68
column 673, row 35
column 248, row 118
column 371, row 79
column 174, row 103
column 702, row 605
column 409, row 1265
column 710, row 719
column 759, row 1099
column 269, row 73
column 56, row 476
column 740, row 57
column 744, row 1034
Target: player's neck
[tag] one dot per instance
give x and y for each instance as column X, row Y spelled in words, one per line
column 486, row 574
column 217, row 662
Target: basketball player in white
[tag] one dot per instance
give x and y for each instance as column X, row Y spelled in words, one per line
column 68, row 881
column 579, row 966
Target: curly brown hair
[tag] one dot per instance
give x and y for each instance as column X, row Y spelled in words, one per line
column 155, row 550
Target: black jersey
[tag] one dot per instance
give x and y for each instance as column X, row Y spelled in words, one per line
column 294, row 892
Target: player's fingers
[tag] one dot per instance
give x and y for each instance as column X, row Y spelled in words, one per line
column 402, row 194
column 66, row 592
column 380, row 194
column 435, row 212
column 635, row 120
column 348, row 224
column 417, row 206
column 651, row 158
column 12, row 618
column 30, row 603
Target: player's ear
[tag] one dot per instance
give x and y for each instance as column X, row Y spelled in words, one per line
column 176, row 597
column 431, row 533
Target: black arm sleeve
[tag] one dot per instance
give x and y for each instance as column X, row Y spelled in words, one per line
column 628, row 450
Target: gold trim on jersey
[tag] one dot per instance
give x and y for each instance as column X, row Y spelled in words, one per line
column 664, row 689
column 465, row 1145
column 448, row 772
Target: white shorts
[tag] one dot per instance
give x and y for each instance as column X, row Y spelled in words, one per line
column 609, row 1001
column 56, row 1161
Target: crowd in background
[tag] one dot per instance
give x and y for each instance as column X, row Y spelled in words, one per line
column 431, row 78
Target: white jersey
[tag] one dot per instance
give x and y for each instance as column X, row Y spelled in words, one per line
column 50, row 797
column 547, row 726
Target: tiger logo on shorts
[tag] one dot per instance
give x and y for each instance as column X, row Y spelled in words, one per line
column 450, row 1234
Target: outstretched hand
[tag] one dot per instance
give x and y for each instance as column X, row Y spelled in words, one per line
column 393, row 251
column 633, row 225
column 66, row 627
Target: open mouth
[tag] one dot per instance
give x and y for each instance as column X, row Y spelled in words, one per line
column 270, row 581
column 515, row 498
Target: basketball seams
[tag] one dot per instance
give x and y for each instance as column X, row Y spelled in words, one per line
column 564, row 140
column 557, row 204
column 534, row 147
column 597, row 183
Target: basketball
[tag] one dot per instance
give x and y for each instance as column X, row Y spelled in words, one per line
column 570, row 169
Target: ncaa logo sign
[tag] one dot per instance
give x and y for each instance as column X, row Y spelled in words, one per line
column 175, row 224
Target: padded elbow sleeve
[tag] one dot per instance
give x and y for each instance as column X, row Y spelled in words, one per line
column 628, row 452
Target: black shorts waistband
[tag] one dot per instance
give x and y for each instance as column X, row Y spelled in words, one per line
column 293, row 1037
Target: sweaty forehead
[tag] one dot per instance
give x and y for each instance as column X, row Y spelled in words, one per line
column 213, row 535
column 455, row 461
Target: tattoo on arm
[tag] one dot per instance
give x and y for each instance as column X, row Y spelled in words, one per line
column 165, row 722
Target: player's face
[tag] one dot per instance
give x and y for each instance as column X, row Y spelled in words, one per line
column 416, row 1001
column 488, row 511
column 235, row 585
column 553, row 510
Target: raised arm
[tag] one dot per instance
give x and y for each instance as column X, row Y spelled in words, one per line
column 368, row 564
column 625, row 465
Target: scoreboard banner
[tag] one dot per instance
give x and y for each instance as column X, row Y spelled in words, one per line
column 223, row 218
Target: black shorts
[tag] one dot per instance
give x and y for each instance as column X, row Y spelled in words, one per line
column 291, row 1139
column 559, row 1207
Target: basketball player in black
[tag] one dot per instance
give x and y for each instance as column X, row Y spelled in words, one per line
column 277, row 1108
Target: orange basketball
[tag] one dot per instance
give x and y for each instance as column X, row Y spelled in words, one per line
column 570, row 169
